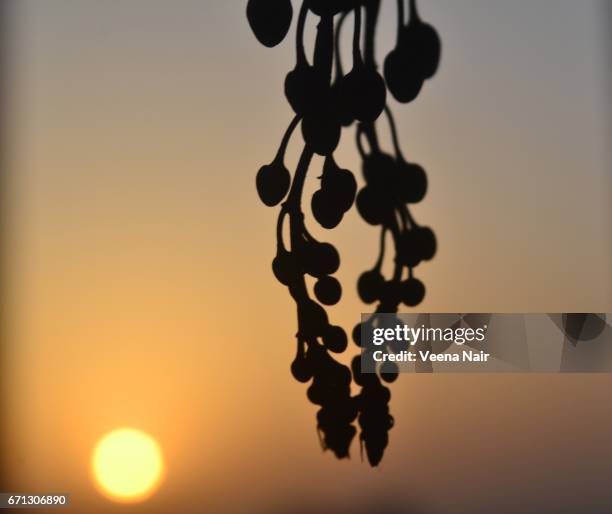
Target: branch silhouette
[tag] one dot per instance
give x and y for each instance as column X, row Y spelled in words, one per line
column 325, row 99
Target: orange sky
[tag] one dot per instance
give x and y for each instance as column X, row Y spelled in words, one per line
column 140, row 291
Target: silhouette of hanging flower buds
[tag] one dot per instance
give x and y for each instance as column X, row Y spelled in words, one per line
column 415, row 58
column 270, row 20
column 324, row 101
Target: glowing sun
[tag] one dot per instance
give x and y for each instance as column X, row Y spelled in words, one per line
column 127, row 465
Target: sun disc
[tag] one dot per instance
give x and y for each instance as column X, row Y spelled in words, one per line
column 127, row 465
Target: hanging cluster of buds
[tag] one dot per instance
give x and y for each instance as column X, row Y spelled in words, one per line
column 325, row 99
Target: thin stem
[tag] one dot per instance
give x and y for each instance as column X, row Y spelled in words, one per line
column 359, row 133
column 294, row 200
column 414, row 12
column 339, row 70
column 280, row 244
column 324, row 47
column 308, row 236
column 408, row 216
column 286, row 138
column 402, row 218
column 372, row 9
column 357, row 37
column 299, row 38
column 381, row 254
column 369, row 130
column 397, row 274
column 394, row 138
column 401, row 15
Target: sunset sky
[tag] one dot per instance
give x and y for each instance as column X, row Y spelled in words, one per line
column 139, row 283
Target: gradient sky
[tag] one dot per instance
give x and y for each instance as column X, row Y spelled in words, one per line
column 140, row 290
